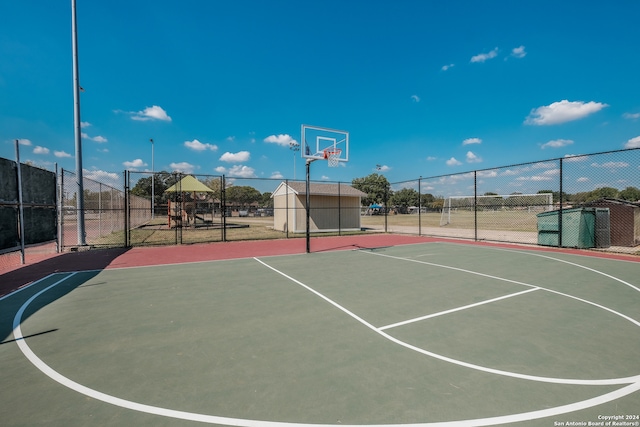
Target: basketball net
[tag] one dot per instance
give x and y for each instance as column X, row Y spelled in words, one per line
column 332, row 155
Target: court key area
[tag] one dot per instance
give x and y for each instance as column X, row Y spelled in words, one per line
column 430, row 334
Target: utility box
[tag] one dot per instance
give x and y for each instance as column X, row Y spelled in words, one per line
column 578, row 228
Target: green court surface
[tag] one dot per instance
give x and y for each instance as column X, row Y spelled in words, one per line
column 424, row 334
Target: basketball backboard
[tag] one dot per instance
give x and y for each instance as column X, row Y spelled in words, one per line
column 323, row 143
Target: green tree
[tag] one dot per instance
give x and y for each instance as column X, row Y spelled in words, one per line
column 426, row 200
column 631, row 194
column 265, row 200
column 161, row 181
column 376, row 187
column 603, row 192
column 242, row 195
column 404, row 198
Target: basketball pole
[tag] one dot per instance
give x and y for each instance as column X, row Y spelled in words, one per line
column 308, row 201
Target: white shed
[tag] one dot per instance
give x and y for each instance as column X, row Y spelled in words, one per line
column 333, row 207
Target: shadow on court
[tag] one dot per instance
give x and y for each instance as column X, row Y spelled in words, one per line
column 90, row 261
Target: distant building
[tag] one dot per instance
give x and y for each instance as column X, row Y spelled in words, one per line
column 624, row 220
column 333, row 207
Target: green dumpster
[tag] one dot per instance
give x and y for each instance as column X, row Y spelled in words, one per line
column 578, row 228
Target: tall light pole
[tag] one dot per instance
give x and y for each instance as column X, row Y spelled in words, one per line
column 295, row 147
column 153, row 195
column 77, row 127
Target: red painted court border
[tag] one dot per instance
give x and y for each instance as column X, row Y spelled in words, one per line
column 13, row 278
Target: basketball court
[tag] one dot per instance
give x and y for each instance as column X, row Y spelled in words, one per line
column 361, row 332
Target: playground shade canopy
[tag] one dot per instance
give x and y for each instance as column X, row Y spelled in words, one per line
column 189, row 184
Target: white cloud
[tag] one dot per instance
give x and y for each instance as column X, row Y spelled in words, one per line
column 557, row 143
column 518, row 52
column 534, row 178
column 631, row 116
column 137, row 163
column 183, row 167
column 582, row 179
column 221, row 170
column 485, row 56
column 383, row 168
column 431, row 158
column 199, row 146
column 40, row 150
column 472, row 158
column 633, row 143
column 487, row 174
column 472, row 141
column 242, row 171
column 102, row 176
column 85, row 124
column 282, row 139
column 61, row 154
column 276, row 175
column 151, row 113
column 240, row 156
column 610, row 165
column 575, row 158
column 453, row 162
column 562, row 111
column 24, row 142
column 98, row 139
column 446, row 67
column 415, row 98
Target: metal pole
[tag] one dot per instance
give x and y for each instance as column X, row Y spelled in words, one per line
column 560, row 210
column 295, row 147
column 59, row 210
column 20, row 205
column 77, row 127
column 308, row 202
column 419, row 208
column 475, row 205
column 153, row 198
column 223, row 207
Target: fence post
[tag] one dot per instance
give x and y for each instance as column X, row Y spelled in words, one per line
column 286, row 207
column 20, row 204
column 560, row 211
column 223, row 202
column 126, row 209
column 339, row 212
column 386, row 208
column 419, row 208
column 475, row 205
column 61, row 211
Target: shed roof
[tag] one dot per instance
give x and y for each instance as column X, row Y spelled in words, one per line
column 607, row 200
column 319, row 189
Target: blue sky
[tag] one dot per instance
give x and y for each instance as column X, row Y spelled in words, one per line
column 424, row 88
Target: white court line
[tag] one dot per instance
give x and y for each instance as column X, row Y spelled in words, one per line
column 15, row 291
column 571, row 263
column 213, row 419
column 453, row 310
column 635, row 322
column 608, row 381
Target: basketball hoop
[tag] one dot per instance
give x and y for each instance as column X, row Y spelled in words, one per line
column 332, row 156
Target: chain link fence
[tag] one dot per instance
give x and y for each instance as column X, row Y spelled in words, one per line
column 578, row 201
column 108, row 212
column 585, row 201
column 27, row 205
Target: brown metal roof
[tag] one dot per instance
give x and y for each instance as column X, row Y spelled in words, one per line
column 320, row 189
